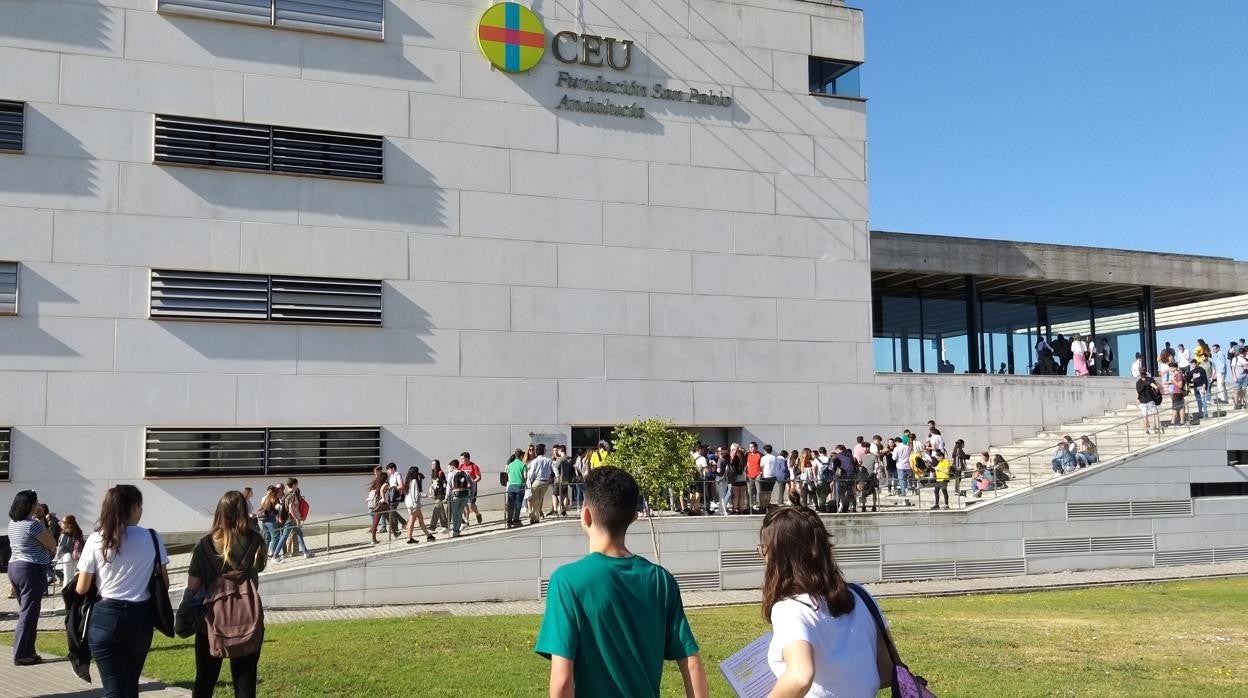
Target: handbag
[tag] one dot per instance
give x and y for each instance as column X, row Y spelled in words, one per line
column 158, row 594
column 905, row 684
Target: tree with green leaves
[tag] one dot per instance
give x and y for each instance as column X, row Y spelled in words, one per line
column 656, row 454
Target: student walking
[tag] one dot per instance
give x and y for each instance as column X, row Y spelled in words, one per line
column 411, row 499
column 824, row 640
column 515, row 489
column 291, row 505
column 460, row 485
column 375, row 501
column 32, row 545
column 613, row 617
column 69, row 548
column 541, row 474
column 120, row 559
column 266, row 514
column 232, row 546
column 437, row 490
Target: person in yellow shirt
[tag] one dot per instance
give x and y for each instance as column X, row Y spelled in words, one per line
column 598, row 458
column 943, row 471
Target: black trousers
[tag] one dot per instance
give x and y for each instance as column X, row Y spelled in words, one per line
column 208, row 668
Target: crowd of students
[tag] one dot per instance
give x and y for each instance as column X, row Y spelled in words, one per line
column 735, row 480
column 1204, row 374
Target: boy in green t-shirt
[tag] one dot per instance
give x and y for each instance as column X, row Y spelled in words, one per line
column 612, row 617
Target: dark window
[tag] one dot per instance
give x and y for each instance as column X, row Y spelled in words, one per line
column 12, row 126
column 302, row 299
column 1220, row 489
column 587, row 438
column 237, row 146
column 829, row 77
column 6, row 437
column 258, row 451
column 360, row 18
column 1237, row 457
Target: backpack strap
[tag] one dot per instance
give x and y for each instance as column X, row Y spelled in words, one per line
column 879, row 623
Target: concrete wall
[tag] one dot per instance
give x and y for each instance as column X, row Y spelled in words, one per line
column 1146, row 517
column 542, row 268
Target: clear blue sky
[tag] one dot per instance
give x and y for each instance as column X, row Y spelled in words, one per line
column 1106, row 123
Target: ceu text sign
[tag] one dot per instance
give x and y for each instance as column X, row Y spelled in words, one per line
column 511, row 37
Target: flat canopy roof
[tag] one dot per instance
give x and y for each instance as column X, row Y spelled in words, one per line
column 936, row 263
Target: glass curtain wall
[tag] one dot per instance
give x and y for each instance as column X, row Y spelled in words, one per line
column 924, row 330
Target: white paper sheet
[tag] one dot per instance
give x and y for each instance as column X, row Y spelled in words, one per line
column 747, row 671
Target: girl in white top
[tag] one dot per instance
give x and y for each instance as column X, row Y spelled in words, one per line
column 824, row 640
column 120, row 559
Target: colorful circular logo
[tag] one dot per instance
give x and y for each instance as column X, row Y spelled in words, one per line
column 512, row 37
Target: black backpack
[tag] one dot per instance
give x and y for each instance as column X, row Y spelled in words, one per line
column 460, row 483
column 827, row 473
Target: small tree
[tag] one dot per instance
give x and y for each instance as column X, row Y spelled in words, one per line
column 656, row 454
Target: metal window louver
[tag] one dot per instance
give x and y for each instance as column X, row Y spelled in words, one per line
column 207, row 295
column 211, row 143
column 324, row 450
column 8, row 288
column 6, row 439
column 256, row 297
column 1132, row 509
column 306, row 299
column 204, row 452
column 1100, row 544
column 234, row 145
column 361, row 18
column 12, row 126
column 327, row 153
column 248, row 11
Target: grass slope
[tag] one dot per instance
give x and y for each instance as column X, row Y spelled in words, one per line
column 1172, row 639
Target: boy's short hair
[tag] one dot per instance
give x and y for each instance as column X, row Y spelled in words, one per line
column 611, row 495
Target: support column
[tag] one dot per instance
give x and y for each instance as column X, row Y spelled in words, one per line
column 975, row 363
column 1148, row 328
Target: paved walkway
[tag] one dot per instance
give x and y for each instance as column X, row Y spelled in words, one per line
column 54, row 678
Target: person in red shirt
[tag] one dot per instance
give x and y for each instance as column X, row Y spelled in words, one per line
column 753, row 469
column 465, row 463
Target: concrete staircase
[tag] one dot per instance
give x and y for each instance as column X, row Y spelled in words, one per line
column 1116, row 433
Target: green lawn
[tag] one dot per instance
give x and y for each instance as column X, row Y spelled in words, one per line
column 1172, row 639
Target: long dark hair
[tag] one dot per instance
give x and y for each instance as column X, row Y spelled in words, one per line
column 119, row 501
column 23, row 503
column 413, row 474
column 70, row 527
column 798, row 552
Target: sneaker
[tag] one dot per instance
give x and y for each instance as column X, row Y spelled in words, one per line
column 28, row 661
column 480, row 518
column 278, row 559
column 936, row 507
column 430, row 537
column 412, row 541
column 309, row 555
column 946, row 506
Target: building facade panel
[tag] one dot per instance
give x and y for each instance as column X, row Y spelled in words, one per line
column 33, row 76
column 27, row 234
column 538, row 218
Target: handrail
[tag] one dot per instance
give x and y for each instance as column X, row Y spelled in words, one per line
column 1188, row 402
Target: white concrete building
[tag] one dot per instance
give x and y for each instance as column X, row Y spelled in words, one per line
column 209, row 290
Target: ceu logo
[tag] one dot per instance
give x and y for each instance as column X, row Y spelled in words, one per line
column 512, row 37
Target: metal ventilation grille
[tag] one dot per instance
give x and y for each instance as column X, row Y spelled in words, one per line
column 857, row 554
column 1102, row 544
column 1167, row 507
column 237, row 146
column 6, row 440
column 12, row 126
column 199, row 452
column 698, row 581
column 543, row 585
column 324, row 450
column 211, row 143
column 362, row 18
column 249, row 11
column 906, row 571
column 1230, row 554
column 991, row 568
column 210, row 296
column 327, row 153
column 305, row 299
column 739, row 559
column 8, row 288
column 1183, row 557
column 1128, row 509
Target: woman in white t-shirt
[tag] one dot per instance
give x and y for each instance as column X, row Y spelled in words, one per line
column 120, row 558
column 824, row 640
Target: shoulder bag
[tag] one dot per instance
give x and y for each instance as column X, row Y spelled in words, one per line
column 158, row 590
column 904, row 684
